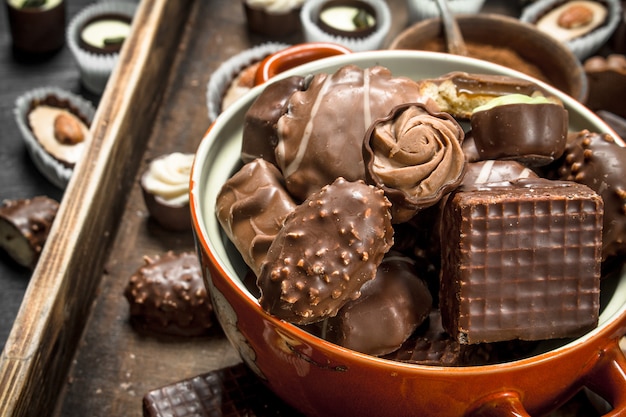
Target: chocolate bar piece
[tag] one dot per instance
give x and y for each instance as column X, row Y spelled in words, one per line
column 521, row 260
column 227, row 392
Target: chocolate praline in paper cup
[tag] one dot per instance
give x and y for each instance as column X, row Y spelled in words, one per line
column 55, row 171
column 427, row 9
column 272, row 24
column 314, row 33
column 227, row 71
column 95, row 68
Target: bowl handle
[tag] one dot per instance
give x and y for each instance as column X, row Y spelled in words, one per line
column 607, row 378
column 502, row 404
column 295, row 55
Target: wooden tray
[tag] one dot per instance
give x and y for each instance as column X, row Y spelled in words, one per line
column 72, row 351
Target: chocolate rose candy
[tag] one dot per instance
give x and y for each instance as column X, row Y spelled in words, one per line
column 415, row 155
column 596, row 160
column 251, row 207
column 328, row 248
column 321, row 135
column 390, row 308
column 531, row 130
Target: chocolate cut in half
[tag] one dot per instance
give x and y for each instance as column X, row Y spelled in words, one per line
column 531, row 130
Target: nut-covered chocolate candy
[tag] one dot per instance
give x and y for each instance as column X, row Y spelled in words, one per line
column 259, row 127
column 251, row 208
column 415, row 155
column 24, row 227
column 596, row 160
column 520, row 260
column 321, row 134
column 390, row 308
column 328, row 248
column 532, row 130
column 167, row 296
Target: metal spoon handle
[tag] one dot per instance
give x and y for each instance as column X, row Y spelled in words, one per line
column 454, row 39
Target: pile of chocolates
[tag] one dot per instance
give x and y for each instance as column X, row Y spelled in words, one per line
column 372, row 219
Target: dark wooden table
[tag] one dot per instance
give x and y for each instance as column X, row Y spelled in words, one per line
column 19, row 178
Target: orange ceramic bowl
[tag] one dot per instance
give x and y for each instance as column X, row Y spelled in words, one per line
column 323, row 379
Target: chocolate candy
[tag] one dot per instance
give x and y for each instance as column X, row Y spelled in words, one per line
column 229, row 392
column 327, row 249
column 415, row 155
column 596, row 160
column 24, row 227
column 459, row 93
column 390, row 308
column 167, row 296
column 530, row 130
column 520, row 260
column 322, row 133
column 259, row 128
column 251, row 208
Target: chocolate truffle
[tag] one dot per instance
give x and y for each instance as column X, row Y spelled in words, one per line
column 317, row 142
column 572, row 19
column 329, row 246
column 167, row 296
column 24, row 227
column 415, row 155
column 520, row 260
column 596, row 160
column 390, row 308
column 37, row 26
column 251, row 208
column 259, row 129
column 165, row 188
column 531, row 130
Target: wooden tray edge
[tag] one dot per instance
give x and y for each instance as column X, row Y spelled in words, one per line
column 53, row 313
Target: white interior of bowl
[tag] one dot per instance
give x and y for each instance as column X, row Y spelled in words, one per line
column 218, row 154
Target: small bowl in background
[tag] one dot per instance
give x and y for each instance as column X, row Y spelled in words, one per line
column 506, row 41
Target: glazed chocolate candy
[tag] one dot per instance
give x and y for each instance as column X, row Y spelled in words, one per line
column 596, row 160
column 259, row 128
column 251, row 208
column 520, row 260
column 167, row 296
column 24, row 227
column 329, row 246
column 532, row 130
column 321, row 134
column 415, row 155
column 229, row 392
column 390, row 308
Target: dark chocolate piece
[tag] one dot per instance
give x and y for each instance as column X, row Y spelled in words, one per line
column 520, row 260
column 167, row 296
column 271, row 24
column 24, row 227
column 251, row 208
column 606, row 78
column 531, row 133
column 321, row 135
column 596, row 160
column 414, row 154
column 228, row 392
column 327, row 249
column 259, row 128
column 37, row 30
column 390, row 308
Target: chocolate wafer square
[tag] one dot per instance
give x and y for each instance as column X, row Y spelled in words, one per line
column 521, row 260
